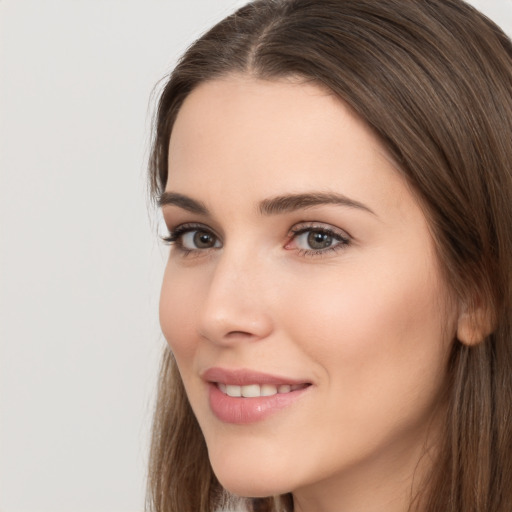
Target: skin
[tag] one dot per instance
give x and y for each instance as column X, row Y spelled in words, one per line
column 368, row 323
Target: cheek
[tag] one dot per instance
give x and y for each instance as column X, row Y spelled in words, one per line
column 178, row 301
column 372, row 331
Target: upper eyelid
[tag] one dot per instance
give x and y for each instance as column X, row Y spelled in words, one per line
column 191, row 226
column 320, row 226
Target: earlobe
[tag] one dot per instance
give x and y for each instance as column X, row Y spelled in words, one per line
column 474, row 325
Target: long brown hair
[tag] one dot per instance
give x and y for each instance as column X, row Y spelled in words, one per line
column 433, row 79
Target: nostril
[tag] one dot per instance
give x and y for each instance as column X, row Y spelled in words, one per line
column 239, row 333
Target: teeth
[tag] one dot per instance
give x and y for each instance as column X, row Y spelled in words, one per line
column 233, row 390
column 251, row 391
column 268, row 390
column 257, row 390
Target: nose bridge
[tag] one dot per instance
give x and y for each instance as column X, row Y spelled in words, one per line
column 235, row 306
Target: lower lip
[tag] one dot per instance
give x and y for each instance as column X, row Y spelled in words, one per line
column 241, row 411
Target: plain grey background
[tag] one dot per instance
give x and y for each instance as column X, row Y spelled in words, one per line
column 80, row 265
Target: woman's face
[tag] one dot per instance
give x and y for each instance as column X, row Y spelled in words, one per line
column 302, row 275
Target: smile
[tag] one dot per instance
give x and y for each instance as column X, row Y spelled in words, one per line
column 258, row 390
column 242, row 396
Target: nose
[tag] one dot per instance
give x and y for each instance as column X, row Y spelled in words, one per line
column 235, row 307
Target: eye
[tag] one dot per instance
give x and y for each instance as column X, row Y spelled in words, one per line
column 193, row 238
column 314, row 239
column 199, row 239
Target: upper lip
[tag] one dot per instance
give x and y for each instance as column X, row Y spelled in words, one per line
column 245, row 377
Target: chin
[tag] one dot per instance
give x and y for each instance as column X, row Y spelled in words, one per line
column 256, row 481
column 247, row 489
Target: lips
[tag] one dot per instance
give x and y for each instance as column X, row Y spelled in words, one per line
column 245, row 377
column 245, row 396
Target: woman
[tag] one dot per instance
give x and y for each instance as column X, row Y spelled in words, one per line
column 336, row 181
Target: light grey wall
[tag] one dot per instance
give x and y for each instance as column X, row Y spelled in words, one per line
column 79, row 264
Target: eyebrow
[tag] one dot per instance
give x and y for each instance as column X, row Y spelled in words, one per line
column 293, row 202
column 272, row 206
column 182, row 201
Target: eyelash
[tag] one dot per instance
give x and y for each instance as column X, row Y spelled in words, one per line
column 343, row 240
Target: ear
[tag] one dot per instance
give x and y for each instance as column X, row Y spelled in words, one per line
column 474, row 325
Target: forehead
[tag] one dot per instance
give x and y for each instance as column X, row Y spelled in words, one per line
column 259, row 138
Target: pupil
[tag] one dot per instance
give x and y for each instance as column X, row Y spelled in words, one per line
column 318, row 240
column 203, row 240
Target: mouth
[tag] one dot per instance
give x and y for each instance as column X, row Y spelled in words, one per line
column 258, row 390
column 244, row 396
